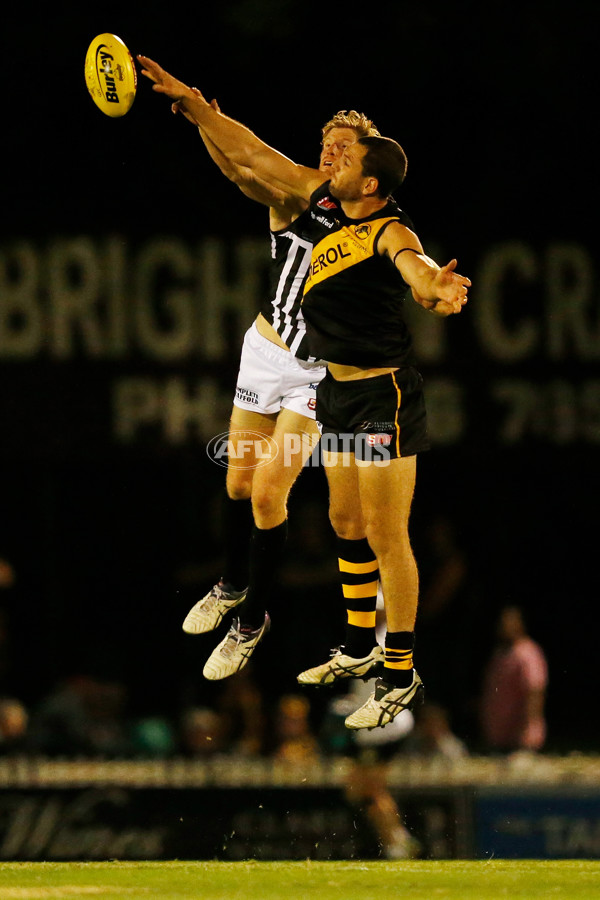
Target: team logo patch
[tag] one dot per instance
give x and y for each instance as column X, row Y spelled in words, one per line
column 312, row 403
column 363, row 231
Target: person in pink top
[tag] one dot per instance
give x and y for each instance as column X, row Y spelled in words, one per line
column 514, row 689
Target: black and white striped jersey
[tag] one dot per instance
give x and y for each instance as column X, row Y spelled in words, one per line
column 291, row 249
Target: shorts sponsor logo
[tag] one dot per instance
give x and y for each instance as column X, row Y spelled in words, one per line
column 350, row 447
column 382, row 440
column 376, row 427
column 245, row 395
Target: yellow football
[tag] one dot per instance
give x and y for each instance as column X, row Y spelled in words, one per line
column 110, row 75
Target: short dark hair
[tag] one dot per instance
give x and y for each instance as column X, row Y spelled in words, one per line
column 384, row 160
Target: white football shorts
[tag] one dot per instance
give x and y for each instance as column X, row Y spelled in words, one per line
column 271, row 378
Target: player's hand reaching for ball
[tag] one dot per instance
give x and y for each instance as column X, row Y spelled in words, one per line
column 184, row 97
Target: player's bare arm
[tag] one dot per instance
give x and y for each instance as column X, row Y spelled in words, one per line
column 242, row 176
column 439, row 289
column 237, row 142
column 248, row 183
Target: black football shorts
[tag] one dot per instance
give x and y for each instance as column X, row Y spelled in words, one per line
column 375, row 418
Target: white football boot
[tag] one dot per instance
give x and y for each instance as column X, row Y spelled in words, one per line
column 342, row 666
column 207, row 614
column 385, row 703
column 234, row 651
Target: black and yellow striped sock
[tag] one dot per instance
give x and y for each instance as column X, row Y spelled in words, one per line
column 360, row 574
column 398, row 665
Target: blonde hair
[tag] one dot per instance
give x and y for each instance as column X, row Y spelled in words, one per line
column 351, row 119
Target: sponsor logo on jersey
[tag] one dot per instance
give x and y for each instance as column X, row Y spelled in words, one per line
column 327, row 203
column 329, row 223
column 312, row 403
column 339, row 251
column 330, row 257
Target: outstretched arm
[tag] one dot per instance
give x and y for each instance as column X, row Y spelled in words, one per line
column 235, row 141
column 249, row 184
column 243, row 177
column 439, row 289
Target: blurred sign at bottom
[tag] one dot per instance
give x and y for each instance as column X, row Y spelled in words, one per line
column 538, row 824
column 111, row 822
column 269, row 823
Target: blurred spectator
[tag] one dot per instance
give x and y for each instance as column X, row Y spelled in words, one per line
column 432, row 735
column 241, row 711
column 14, row 722
column 311, row 591
column 514, row 688
column 294, row 739
column 153, row 737
column 82, row 716
column 7, row 584
column 448, row 614
column 7, row 575
column 202, row 732
column 5, row 652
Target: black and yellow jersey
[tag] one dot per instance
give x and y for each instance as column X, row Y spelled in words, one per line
column 353, row 297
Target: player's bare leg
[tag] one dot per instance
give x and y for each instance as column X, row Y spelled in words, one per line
column 293, row 439
column 292, row 442
column 345, row 512
column 360, row 652
column 244, row 426
column 249, row 444
column 386, row 493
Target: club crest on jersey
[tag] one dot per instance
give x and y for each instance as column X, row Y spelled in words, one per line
column 363, row 231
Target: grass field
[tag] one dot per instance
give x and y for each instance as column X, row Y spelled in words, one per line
column 456, row 879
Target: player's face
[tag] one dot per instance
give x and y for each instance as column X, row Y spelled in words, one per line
column 347, row 179
column 334, row 143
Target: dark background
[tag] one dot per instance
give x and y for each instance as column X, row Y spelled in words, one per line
column 496, row 107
